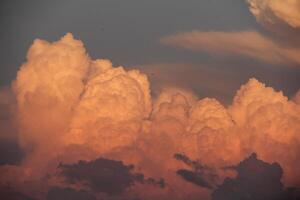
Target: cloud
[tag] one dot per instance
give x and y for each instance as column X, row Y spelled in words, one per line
column 281, row 17
column 10, row 152
column 297, row 97
column 104, row 175
column 120, row 100
column 272, row 11
column 61, row 76
column 68, row 107
column 7, row 114
column 200, row 174
column 53, row 76
column 245, row 43
column 8, row 193
column 57, row 193
column 256, row 179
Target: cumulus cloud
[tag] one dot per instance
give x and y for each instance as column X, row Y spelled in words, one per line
column 69, row 107
column 61, row 92
column 272, row 11
column 245, row 43
column 118, row 98
column 271, row 117
column 53, row 77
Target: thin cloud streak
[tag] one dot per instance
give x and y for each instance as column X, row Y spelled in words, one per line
column 244, row 43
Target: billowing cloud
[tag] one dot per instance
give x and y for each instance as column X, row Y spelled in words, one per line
column 119, row 98
column 245, row 43
column 56, row 73
column 69, row 107
column 272, row 11
column 61, row 76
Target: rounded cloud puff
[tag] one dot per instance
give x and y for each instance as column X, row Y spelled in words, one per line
column 48, row 87
column 111, row 108
column 64, row 98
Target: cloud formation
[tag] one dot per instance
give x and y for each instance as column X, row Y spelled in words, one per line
column 7, row 114
column 104, row 175
column 272, row 11
column 84, row 96
column 70, row 108
column 57, row 193
column 10, row 152
column 200, row 174
column 8, row 193
column 245, row 43
column 281, row 47
column 255, row 180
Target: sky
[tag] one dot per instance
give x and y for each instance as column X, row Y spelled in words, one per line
column 129, row 33
column 143, row 100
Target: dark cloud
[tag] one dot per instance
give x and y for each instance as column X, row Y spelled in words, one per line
column 256, row 180
column 292, row 194
column 193, row 177
column 10, row 152
column 102, row 175
column 106, row 176
column 8, row 193
column 200, row 174
column 56, row 193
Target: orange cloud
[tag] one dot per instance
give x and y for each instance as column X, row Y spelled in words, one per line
column 272, row 11
column 70, row 107
column 7, row 111
column 245, row 43
column 297, row 97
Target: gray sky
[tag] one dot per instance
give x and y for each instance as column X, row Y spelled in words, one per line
column 128, row 33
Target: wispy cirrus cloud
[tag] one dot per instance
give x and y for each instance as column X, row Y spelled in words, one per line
column 250, row 44
column 281, row 18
